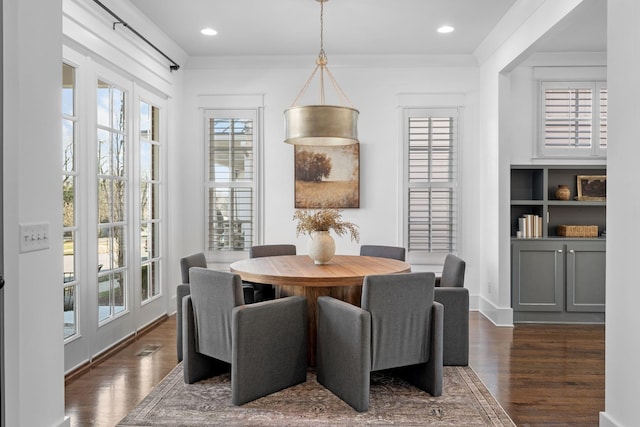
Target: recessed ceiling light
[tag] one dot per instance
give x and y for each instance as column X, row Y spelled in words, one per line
column 208, row 31
column 446, row 29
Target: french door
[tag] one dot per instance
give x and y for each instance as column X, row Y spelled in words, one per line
column 113, row 139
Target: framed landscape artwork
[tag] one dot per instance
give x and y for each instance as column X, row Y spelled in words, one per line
column 327, row 177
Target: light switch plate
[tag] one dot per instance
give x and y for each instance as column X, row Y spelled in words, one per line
column 34, row 237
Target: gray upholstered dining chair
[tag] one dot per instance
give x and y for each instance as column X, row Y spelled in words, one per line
column 263, row 344
column 183, row 289
column 265, row 292
column 451, row 293
column 452, row 272
column 394, row 328
column 393, row 252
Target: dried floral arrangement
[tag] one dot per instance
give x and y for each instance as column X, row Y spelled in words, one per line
column 324, row 220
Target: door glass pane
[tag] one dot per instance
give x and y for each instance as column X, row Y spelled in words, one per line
column 70, row 314
column 69, row 257
column 145, row 120
column 67, row 145
column 145, row 209
column 104, row 103
column 145, row 160
column 145, row 242
column 144, row 281
column 155, row 201
column 105, row 199
column 118, row 109
column 118, row 243
column 104, row 152
column 68, row 201
column 104, row 297
column 68, row 89
column 118, row 166
column 119, row 189
column 155, row 282
column 155, row 244
column 118, row 292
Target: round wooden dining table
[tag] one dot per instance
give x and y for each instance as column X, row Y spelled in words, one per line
column 340, row 278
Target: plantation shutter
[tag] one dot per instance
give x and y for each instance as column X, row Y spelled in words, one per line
column 231, row 180
column 574, row 118
column 431, row 180
column 604, row 99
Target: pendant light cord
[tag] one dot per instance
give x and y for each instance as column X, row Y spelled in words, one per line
column 322, row 57
column 321, row 63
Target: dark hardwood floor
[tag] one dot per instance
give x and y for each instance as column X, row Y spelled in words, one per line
column 543, row 375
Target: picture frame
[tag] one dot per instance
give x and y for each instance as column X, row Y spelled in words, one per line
column 592, row 188
column 327, row 177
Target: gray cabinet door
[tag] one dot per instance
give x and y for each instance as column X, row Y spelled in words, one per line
column 586, row 276
column 538, row 276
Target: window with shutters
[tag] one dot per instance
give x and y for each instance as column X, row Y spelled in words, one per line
column 431, row 177
column 573, row 119
column 231, row 179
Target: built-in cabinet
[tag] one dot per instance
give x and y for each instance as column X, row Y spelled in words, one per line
column 556, row 278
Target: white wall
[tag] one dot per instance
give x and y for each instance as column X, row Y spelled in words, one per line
column 623, row 208
column 521, row 28
column 31, row 178
column 375, row 87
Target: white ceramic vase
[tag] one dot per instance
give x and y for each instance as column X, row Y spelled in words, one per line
column 322, row 247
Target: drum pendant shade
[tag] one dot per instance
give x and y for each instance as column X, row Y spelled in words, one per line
column 321, row 125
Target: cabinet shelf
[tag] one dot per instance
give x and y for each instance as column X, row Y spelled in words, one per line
column 526, row 202
column 573, row 203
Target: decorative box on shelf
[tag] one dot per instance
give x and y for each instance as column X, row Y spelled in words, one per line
column 578, row 230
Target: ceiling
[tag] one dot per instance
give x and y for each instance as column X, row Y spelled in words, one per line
column 292, row 27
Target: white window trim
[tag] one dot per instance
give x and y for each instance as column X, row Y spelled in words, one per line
column 593, row 152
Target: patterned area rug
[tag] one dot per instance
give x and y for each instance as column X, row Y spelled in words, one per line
column 465, row 402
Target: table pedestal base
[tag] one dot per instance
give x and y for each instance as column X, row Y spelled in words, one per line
column 350, row 294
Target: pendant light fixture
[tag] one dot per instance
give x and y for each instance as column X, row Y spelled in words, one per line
column 321, row 124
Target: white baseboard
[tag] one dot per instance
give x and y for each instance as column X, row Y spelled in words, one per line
column 607, row 421
column 500, row 316
column 173, row 305
column 66, row 422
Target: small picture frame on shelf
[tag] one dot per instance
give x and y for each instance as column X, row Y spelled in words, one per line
column 592, row 188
